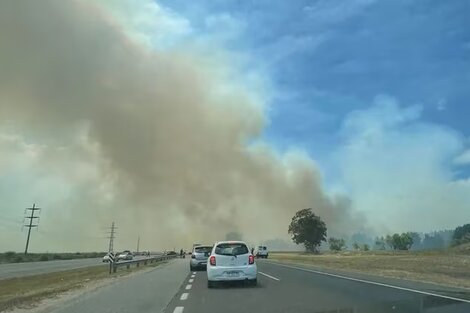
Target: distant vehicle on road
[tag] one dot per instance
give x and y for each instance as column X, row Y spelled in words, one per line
column 199, row 257
column 107, row 258
column 262, row 252
column 231, row 261
column 171, row 253
column 125, row 255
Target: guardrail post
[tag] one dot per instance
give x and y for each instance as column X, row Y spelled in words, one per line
column 128, row 266
column 114, row 267
column 138, row 264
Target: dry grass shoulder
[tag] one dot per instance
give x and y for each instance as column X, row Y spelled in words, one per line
column 447, row 268
column 24, row 292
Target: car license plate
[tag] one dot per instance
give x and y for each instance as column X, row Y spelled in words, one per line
column 232, row 274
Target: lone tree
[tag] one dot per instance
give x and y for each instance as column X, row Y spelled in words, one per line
column 308, row 229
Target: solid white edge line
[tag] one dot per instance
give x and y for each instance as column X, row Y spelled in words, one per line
column 188, row 287
column 178, row 309
column 269, row 276
column 372, row 282
column 184, row 296
column 191, row 280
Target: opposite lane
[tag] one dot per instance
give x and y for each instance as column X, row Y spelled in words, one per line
column 12, row 270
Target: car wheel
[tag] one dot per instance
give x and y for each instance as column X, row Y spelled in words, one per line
column 191, row 268
column 210, row 284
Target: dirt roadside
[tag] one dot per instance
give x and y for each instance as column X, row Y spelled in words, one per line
column 446, row 269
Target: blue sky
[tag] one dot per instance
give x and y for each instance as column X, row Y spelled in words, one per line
column 325, row 59
column 403, row 66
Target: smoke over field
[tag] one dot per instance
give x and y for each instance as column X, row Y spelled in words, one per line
column 96, row 127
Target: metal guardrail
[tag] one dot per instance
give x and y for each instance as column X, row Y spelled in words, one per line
column 114, row 265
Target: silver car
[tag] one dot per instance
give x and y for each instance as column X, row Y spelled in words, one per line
column 125, row 255
column 199, row 257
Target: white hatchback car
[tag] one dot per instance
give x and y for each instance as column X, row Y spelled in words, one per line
column 262, row 252
column 231, row 261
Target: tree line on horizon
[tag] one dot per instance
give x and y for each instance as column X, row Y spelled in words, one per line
column 308, row 229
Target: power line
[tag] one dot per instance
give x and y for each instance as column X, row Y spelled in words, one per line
column 112, row 235
column 31, row 218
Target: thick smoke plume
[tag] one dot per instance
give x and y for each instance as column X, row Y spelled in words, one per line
column 161, row 142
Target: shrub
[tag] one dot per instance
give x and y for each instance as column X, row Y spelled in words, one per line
column 336, row 244
column 9, row 255
column 44, row 257
column 461, row 234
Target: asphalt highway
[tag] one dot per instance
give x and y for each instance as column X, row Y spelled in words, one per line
column 296, row 289
column 172, row 288
column 143, row 292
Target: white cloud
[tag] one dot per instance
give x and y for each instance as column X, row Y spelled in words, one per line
column 463, row 158
column 149, row 23
column 224, row 26
column 394, row 167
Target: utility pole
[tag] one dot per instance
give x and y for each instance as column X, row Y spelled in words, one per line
column 111, row 238
column 138, row 243
column 31, row 225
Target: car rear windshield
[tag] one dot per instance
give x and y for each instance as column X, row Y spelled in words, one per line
column 203, row 249
column 231, row 249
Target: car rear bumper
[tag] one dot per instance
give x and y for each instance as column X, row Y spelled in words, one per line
column 215, row 273
column 198, row 263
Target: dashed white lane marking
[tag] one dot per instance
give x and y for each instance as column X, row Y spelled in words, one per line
column 178, row 309
column 192, row 276
column 191, row 280
column 373, row 283
column 194, row 273
column 188, row 287
column 269, row 276
column 184, row 296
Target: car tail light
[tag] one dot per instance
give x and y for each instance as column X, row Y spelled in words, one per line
column 212, row 260
column 251, row 259
column 193, row 256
